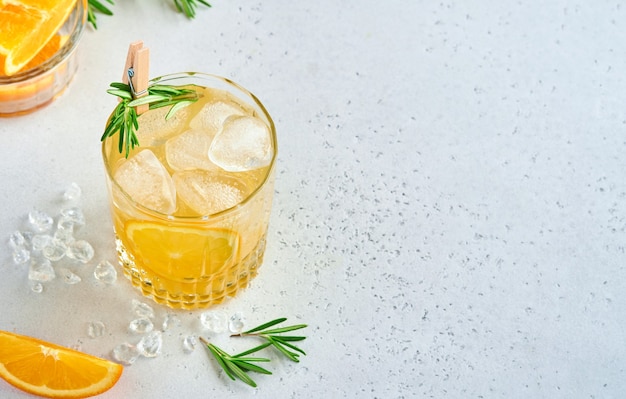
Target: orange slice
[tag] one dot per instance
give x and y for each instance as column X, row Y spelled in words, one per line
column 42, row 56
column 27, row 26
column 183, row 253
column 51, row 371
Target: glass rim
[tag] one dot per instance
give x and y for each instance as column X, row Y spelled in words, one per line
column 78, row 20
column 209, row 217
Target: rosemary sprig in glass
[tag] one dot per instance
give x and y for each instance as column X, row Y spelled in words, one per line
column 273, row 337
column 125, row 119
column 238, row 365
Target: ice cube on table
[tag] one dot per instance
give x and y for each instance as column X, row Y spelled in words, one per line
column 154, row 129
column 189, row 150
column 244, row 143
column 208, row 192
column 212, row 116
column 146, row 180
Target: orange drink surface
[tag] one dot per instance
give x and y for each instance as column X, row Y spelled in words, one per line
column 191, row 205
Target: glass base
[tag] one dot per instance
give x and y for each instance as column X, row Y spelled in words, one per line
column 196, row 294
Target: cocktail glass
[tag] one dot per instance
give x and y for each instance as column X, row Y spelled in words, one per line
column 191, row 205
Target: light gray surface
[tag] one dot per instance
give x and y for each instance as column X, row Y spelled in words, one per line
column 450, row 204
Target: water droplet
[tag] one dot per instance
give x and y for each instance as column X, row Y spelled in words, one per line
column 36, row 287
column 189, row 343
column 95, row 329
column 236, row 323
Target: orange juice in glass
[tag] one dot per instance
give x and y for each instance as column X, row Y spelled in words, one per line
column 191, row 204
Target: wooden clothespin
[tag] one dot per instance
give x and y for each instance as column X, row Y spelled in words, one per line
column 136, row 72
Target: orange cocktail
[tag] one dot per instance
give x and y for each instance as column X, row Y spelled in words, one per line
column 191, row 205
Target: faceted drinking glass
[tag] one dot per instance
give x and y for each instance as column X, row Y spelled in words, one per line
column 191, row 204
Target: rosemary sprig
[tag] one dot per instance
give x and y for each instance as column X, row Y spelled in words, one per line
column 125, row 119
column 94, row 6
column 188, row 7
column 237, row 366
column 272, row 336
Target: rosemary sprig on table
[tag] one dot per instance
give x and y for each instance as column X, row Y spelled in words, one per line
column 272, row 336
column 125, row 119
column 238, row 365
column 188, row 7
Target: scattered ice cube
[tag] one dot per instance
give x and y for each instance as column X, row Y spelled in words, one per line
column 21, row 255
column 40, row 221
column 171, row 320
column 243, row 144
column 146, row 180
column 105, row 272
column 209, row 192
column 125, row 353
column 189, row 343
column 80, row 250
column 142, row 309
column 150, row 344
column 214, row 320
column 74, row 215
column 154, row 129
column 41, row 270
column 17, row 240
column 236, row 323
column 212, row 116
column 189, row 151
column 36, row 287
column 72, row 193
column 95, row 329
column 69, row 276
column 141, row 325
column 40, row 241
column 64, row 235
column 54, row 250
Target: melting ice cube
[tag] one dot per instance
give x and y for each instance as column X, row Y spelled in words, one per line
column 146, row 180
column 212, row 116
column 244, row 143
column 208, row 192
column 154, row 129
column 189, row 150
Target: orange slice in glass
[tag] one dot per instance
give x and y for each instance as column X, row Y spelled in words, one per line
column 27, row 26
column 183, row 253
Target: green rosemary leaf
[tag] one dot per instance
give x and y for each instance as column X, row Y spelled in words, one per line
column 266, row 325
column 255, row 349
column 284, row 329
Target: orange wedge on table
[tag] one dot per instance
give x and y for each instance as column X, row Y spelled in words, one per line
column 51, row 371
column 27, row 26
